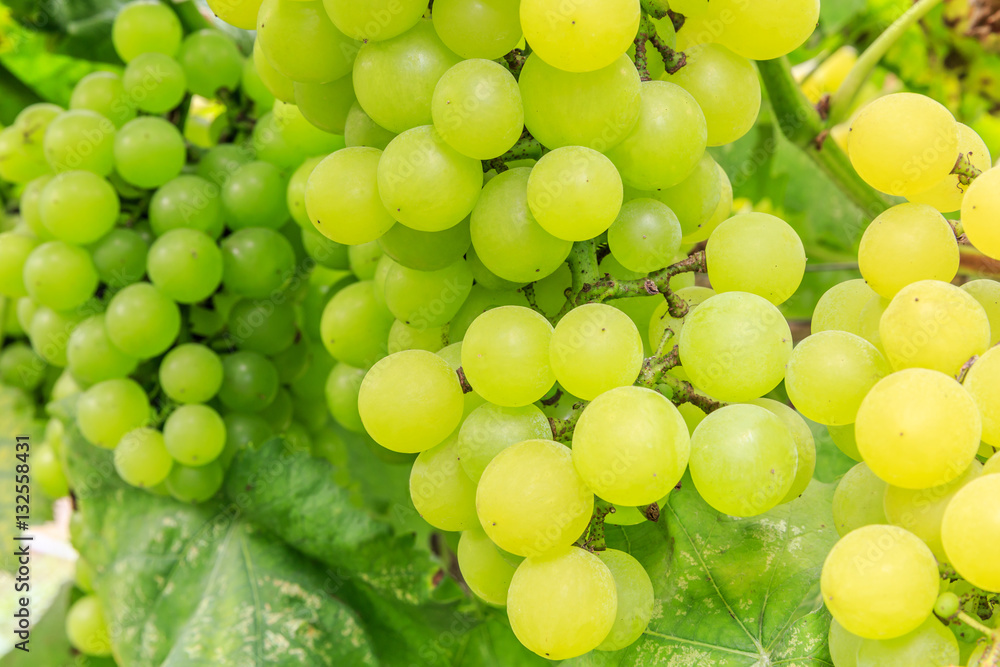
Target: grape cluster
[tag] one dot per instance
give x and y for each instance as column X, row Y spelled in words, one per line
column 903, row 367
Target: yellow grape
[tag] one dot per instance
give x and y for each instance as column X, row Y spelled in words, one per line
column 575, row 193
column 983, row 384
column 980, row 211
column 827, row 77
column 880, row 582
column 843, row 438
column 857, row 502
column 805, row 444
column 635, row 599
column 930, row 645
column 839, row 309
column 661, row 320
column 594, row 349
column 440, row 490
column 918, row 428
column 987, row 293
column 970, row 532
column 765, row 29
column 580, row 36
column 342, row 197
column 483, row 567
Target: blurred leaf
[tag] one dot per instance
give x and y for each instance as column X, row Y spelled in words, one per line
column 51, row 585
column 731, row 592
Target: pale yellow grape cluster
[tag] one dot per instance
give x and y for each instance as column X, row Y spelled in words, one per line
column 903, row 369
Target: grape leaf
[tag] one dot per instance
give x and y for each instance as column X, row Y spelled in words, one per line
column 731, row 592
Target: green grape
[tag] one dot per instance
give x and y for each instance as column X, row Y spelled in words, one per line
column 144, row 26
column 21, row 367
column 485, row 278
column 870, row 320
column 921, row 511
column 661, row 320
column 453, row 356
column 253, row 197
column 767, row 30
column 80, row 139
column 646, row 236
column 149, row 151
column 363, row 259
column 907, row 243
column 932, row 324
column 59, row 275
column 78, row 207
column 582, row 36
column 839, row 309
column 480, row 300
column 186, row 202
column 142, row 459
column 478, row 28
column 86, row 628
column 15, row 249
column 49, row 333
column 195, row 485
column 342, row 197
column 643, row 466
column 120, row 257
column 830, row 373
column 530, row 499
column 142, row 321
column 110, row 409
column 505, row 356
column 858, row 500
column 107, row 94
column 723, row 211
column 323, row 251
column 635, row 599
column 427, row 299
column 404, row 337
column 374, row 20
column 301, row 43
column 949, row 193
column 239, row 13
column 992, row 466
column 442, row 493
column 490, row 429
column 48, row 472
column 280, row 412
column 91, row 355
column 979, row 213
column 355, row 326
column 312, row 383
column 395, row 79
column 191, row 373
column 923, row 149
column 211, row 62
column 575, row 193
column 426, row 251
column 256, row 262
column 880, row 582
column 805, row 444
column 425, row 183
column 249, row 381
column 295, row 198
column 987, row 293
column 983, row 384
column 292, row 361
column 556, row 620
column 693, row 200
column 326, row 105
column 361, row 130
column 194, row 435
column 297, row 438
column 971, row 536
column 477, row 109
column 918, row 428
column 243, row 430
column 30, row 204
column 486, row 572
column 930, row 645
column 425, row 396
column 279, row 85
column 734, row 346
column 756, row 253
column 506, row 236
column 342, row 388
column 667, row 141
column 594, row 109
column 262, row 326
column 254, row 87
column 726, row 88
column 154, row 82
column 594, row 349
column 22, row 157
column 219, row 163
column 185, row 265
column 743, row 460
column 843, row 646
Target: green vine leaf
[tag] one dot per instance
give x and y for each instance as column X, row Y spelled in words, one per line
column 731, row 592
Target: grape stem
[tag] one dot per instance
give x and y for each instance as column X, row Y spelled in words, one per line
column 608, row 288
column 595, row 540
column 843, row 99
column 801, row 124
column 562, row 429
column 684, row 392
column 515, row 60
column 965, row 170
column 655, row 8
column 673, row 60
column 976, row 624
column 966, row 367
column 526, row 148
column 463, row 381
column 641, row 59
